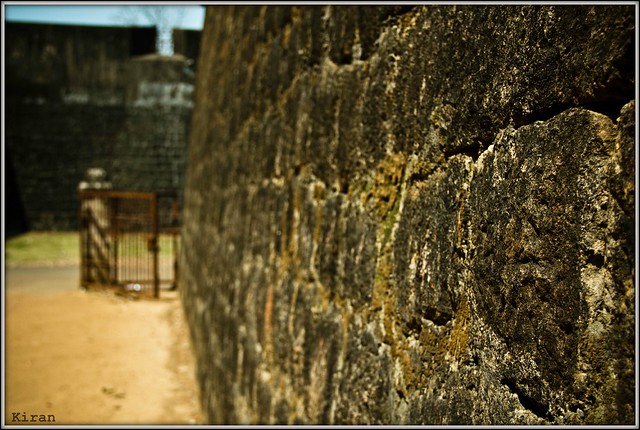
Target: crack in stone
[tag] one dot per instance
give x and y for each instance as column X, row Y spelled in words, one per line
column 537, row 408
column 474, row 150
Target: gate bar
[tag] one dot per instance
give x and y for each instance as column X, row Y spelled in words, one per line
column 154, row 243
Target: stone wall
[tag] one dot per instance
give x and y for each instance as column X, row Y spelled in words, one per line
column 80, row 97
column 413, row 215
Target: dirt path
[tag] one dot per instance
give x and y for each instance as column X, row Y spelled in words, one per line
column 94, row 358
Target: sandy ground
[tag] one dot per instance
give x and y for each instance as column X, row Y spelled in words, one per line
column 92, row 357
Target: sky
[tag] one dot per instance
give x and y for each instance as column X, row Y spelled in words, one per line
column 181, row 15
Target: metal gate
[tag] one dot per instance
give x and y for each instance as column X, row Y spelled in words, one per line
column 129, row 241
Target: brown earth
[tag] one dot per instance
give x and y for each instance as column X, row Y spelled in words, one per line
column 93, row 357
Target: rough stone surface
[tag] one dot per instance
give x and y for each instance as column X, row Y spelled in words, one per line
column 413, row 215
column 82, row 97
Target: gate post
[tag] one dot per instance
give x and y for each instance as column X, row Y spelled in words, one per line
column 154, row 244
column 95, row 241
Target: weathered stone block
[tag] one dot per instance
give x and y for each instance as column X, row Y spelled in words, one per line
column 414, row 215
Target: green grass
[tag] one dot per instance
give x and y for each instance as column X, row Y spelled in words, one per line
column 128, row 244
column 43, row 248
column 55, row 248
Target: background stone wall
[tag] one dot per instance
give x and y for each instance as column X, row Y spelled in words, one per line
column 413, row 214
column 80, row 97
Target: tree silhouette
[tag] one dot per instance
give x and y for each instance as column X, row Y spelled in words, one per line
column 164, row 18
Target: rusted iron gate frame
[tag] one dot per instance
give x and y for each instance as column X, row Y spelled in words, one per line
column 108, row 274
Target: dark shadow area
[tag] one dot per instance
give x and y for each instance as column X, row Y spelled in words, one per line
column 143, row 41
column 14, row 215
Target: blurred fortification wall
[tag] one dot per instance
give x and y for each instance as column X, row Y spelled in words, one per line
column 79, row 97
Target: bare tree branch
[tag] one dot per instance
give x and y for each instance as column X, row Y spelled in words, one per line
column 164, row 18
